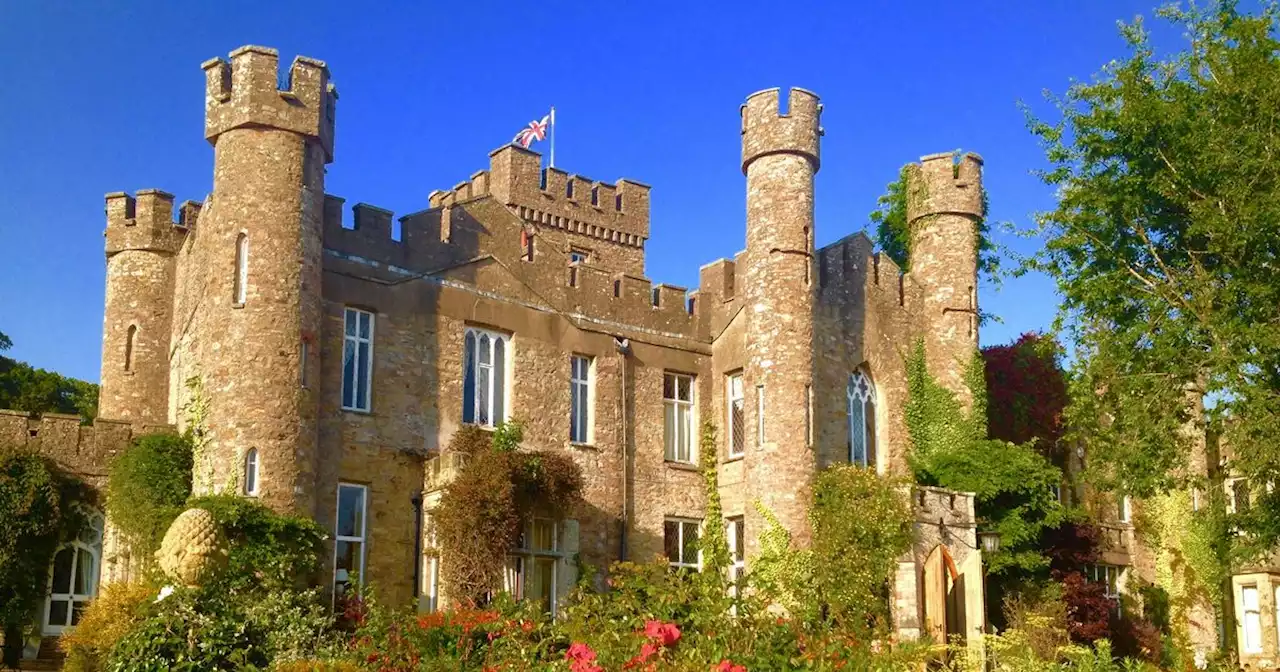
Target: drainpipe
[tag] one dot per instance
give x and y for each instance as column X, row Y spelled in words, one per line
column 416, row 501
column 624, row 349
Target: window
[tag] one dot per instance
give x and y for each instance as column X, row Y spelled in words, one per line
column 357, row 359
column 533, row 567
column 251, row 472
column 1238, row 494
column 349, row 535
column 737, row 416
column 1108, row 575
column 1056, row 491
column 73, row 581
column 526, row 245
column 578, row 256
column 302, row 361
column 735, row 533
column 759, row 415
column 241, row 289
column 808, row 415
column 677, row 401
column 130, row 337
column 680, row 539
column 580, row 399
column 861, row 398
column 484, row 377
column 1252, row 621
column 432, row 575
column 1124, row 509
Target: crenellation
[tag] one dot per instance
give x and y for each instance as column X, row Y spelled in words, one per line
column 144, row 222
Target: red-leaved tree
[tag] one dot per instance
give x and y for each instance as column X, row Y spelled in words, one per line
column 1026, row 392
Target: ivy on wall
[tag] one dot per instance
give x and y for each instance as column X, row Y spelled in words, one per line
column 147, row 488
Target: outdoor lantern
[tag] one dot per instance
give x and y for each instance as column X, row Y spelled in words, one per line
column 990, row 541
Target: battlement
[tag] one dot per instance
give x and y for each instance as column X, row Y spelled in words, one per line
column 945, row 184
column 86, row 451
column 936, row 506
column 146, row 222
column 631, row 300
column 766, row 129
column 247, row 92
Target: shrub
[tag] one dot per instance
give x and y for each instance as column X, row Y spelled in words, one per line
column 38, row 504
column 268, row 550
column 147, row 488
column 117, row 609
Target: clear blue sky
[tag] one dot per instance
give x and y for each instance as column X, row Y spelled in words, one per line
column 97, row 98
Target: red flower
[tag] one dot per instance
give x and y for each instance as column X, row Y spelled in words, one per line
column 664, row 633
column 646, row 652
column 726, row 666
column 580, row 652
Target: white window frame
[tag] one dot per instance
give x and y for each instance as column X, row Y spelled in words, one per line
column 353, row 340
column 679, row 447
column 1125, row 509
column 735, row 533
column 1251, row 620
column 682, row 524
column 865, row 403
column 736, row 402
column 431, row 575
column 241, row 292
column 581, row 399
column 252, row 472
column 362, row 538
column 496, row 373
column 1108, row 576
column 526, row 555
column 95, row 525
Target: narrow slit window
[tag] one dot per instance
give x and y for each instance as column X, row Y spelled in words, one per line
column 251, row 473
column 737, row 416
column 130, row 338
column 242, row 269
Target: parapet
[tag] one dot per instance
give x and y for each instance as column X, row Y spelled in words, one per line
column 933, row 505
column 630, row 300
column 945, row 184
column 247, row 92
column 86, row 451
column 146, row 222
column 767, row 130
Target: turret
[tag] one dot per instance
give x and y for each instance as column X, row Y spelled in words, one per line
column 261, row 242
column 142, row 240
column 944, row 208
column 779, row 157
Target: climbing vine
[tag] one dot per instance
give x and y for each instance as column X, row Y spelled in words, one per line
column 196, row 412
column 148, row 486
column 1192, row 549
column 715, row 544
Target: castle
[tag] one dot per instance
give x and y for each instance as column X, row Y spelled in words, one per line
column 331, row 363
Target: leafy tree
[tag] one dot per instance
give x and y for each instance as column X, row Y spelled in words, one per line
column 1164, row 246
column 1027, row 393
column 26, row 388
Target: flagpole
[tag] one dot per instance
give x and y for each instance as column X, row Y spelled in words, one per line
column 553, row 136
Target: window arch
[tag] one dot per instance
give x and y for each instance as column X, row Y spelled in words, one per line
column 251, row 472
column 130, row 338
column 860, row 396
column 242, row 269
column 73, row 579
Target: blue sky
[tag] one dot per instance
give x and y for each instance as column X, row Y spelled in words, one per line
column 105, row 98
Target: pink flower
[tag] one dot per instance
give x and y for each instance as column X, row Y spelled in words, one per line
column 580, row 652
column 664, row 633
column 726, row 666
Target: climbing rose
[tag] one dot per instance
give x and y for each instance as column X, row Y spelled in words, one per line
column 664, row 633
column 726, row 666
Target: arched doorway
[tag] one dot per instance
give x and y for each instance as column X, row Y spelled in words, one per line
column 944, row 607
column 73, row 579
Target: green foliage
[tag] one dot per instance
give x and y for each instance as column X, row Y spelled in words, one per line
column 1162, row 246
column 1012, row 484
column 714, row 542
column 114, row 613
column 26, row 388
column 780, row 573
column 268, row 550
column 481, row 512
column 148, row 487
column 39, row 509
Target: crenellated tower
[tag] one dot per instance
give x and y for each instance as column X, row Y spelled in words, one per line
column 780, row 158
column 260, row 247
column 944, row 208
column 142, row 240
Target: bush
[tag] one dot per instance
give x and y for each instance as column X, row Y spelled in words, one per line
column 147, row 488
column 117, row 609
column 268, row 550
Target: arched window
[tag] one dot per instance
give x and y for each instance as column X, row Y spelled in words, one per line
column 128, row 346
column 861, row 399
column 242, row 269
column 251, row 472
column 73, row 581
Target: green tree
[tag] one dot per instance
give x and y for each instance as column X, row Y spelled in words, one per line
column 26, row 388
column 148, row 487
column 1164, row 245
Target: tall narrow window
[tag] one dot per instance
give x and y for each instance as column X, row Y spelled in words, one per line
column 759, row 415
column 580, row 399
column 1123, row 508
column 861, row 398
column 130, row 337
column 680, row 540
column 432, row 575
column 242, row 269
column 357, row 359
column 737, row 416
column 1239, row 494
column 349, row 535
column 533, row 567
column 251, row 473
column 73, row 580
column 302, row 364
column 735, row 534
column 1252, row 621
column 808, row 415
column 677, row 402
column 484, row 377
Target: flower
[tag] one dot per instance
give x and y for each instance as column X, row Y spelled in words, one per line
column 664, row 633
column 580, row 652
column 164, row 592
column 727, row 666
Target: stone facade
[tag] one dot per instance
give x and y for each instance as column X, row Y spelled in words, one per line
column 239, row 308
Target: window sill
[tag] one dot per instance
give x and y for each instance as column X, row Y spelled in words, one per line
column 237, row 306
column 682, row 466
column 734, row 458
column 357, row 411
column 581, row 445
column 127, row 372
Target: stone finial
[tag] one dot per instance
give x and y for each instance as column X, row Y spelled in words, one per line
column 193, row 549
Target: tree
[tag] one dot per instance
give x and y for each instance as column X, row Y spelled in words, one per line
column 1164, row 246
column 1027, row 393
column 26, row 388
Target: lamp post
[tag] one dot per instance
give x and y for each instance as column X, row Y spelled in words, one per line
column 989, row 541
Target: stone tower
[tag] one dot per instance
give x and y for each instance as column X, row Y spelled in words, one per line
column 271, row 142
column 944, row 208
column 780, row 159
column 141, row 243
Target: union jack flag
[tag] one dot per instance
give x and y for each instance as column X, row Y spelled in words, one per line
column 536, row 130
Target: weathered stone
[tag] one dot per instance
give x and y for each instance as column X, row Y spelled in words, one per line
column 193, row 549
